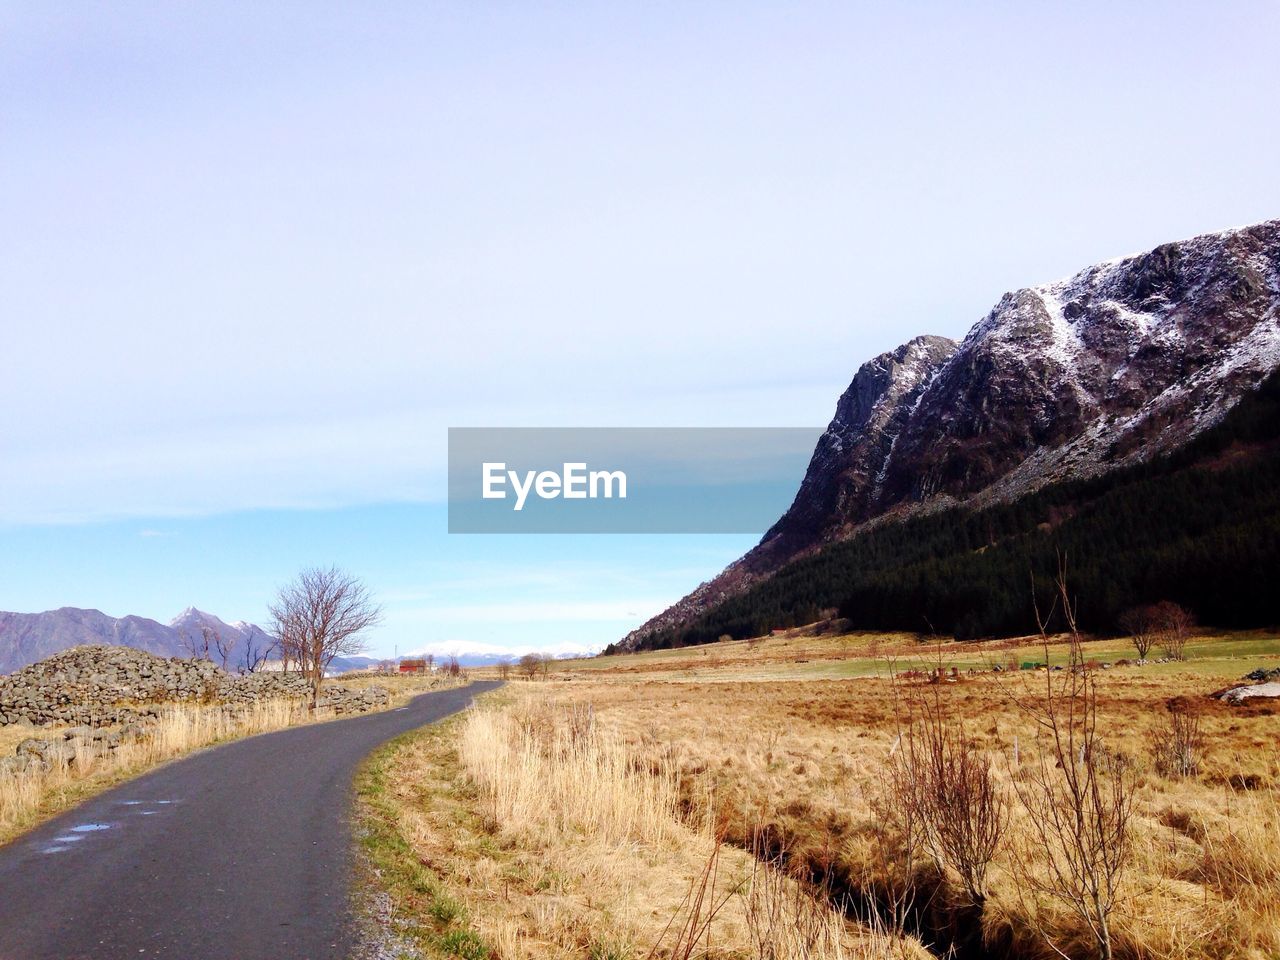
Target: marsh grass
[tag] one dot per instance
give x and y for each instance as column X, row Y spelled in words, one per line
column 556, row 839
column 804, row 763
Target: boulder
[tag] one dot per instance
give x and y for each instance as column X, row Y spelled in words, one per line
column 1248, row 692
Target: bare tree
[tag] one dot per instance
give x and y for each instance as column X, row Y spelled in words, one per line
column 504, row 668
column 429, row 662
column 197, row 646
column 453, row 666
column 321, row 615
column 1140, row 622
column 530, row 663
column 1077, row 793
column 258, row 648
column 1174, row 624
column 223, row 647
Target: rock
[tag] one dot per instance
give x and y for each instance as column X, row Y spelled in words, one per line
column 56, row 751
column 32, row 747
column 1237, row 694
column 1263, row 675
column 97, row 686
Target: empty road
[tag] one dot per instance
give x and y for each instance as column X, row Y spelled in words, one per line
column 241, row 852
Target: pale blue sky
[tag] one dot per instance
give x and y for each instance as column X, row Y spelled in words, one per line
column 256, row 258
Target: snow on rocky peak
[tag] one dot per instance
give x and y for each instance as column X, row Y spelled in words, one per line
column 1122, row 361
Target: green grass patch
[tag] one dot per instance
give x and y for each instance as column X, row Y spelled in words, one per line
column 426, row 915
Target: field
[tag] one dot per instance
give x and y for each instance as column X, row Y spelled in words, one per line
column 784, row 749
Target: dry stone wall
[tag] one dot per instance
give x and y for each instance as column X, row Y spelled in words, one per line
column 99, row 686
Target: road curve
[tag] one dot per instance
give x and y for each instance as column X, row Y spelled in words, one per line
column 241, row 852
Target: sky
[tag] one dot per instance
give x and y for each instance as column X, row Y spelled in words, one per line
column 256, row 259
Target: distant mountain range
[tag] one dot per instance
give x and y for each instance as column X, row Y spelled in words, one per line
column 1072, row 382
column 477, row 654
column 28, row 637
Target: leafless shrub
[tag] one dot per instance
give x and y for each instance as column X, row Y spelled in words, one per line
column 957, row 810
column 898, row 843
column 1178, row 747
column 1140, row 622
column 452, row 666
column 1078, row 794
column 504, row 669
column 1174, row 625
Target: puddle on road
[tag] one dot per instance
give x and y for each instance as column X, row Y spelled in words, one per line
column 145, row 803
column 66, row 841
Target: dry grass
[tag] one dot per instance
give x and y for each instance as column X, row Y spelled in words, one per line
column 809, row 653
column 552, row 841
column 804, row 760
column 31, row 796
column 402, row 687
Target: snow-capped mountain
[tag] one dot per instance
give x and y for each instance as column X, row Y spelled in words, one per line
column 241, row 642
column 1123, row 361
column 474, row 653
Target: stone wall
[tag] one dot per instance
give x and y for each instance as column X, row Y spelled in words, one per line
column 100, row 686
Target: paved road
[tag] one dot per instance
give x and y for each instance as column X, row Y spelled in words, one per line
column 242, row 852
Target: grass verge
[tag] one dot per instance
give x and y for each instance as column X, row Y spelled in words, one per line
column 423, row 919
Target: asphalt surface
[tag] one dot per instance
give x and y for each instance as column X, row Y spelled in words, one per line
column 241, row 852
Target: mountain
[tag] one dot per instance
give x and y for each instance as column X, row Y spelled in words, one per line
column 1118, row 366
column 478, row 654
column 242, row 642
column 28, row 637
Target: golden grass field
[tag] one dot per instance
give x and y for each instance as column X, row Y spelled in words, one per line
column 573, row 815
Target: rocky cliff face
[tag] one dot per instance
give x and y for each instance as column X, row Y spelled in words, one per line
column 1121, row 362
